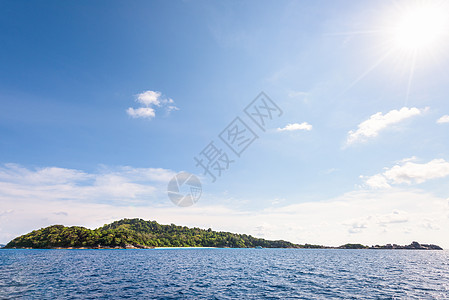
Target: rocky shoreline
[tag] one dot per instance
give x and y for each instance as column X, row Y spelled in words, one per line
column 412, row 246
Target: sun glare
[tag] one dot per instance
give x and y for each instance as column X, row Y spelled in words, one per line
column 420, row 27
column 411, row 34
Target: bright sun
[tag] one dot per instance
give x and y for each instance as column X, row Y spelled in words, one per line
column 421, row 27
column 411, row 34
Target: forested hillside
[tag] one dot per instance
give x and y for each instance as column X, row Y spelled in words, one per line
column 129, row 233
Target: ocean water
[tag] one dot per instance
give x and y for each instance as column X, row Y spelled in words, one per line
column 224, row 274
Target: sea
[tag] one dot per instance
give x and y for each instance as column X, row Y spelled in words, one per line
column 224, row 274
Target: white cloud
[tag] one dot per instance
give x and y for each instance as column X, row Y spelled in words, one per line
column 150, row 100
column 407, row 172
column 418, row 173
column 377, row 181
column 296, row 126
column 378, row 122
column 141, row 112
column 443, row 119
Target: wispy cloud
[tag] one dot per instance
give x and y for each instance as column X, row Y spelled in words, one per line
column 294, row 94
column 296, row 126
column 378, row 122
column 150, row 101
column 407, row 172
column 376, row 220
column 121, row 185
column 394, row 217
column 443, row 119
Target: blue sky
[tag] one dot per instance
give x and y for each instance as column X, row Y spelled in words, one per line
column 369, row 163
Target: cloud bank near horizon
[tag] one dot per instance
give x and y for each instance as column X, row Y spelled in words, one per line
column 35, row 198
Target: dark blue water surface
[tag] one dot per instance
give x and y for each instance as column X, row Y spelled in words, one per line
column 224, row 274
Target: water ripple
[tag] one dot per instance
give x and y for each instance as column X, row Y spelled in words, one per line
column 224, row 274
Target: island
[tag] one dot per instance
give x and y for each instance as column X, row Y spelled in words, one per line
column 141, row 234
column 138, row 233
column 412, row 246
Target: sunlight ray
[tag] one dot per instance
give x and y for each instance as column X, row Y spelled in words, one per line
column 410, row 78
column 369, row 70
